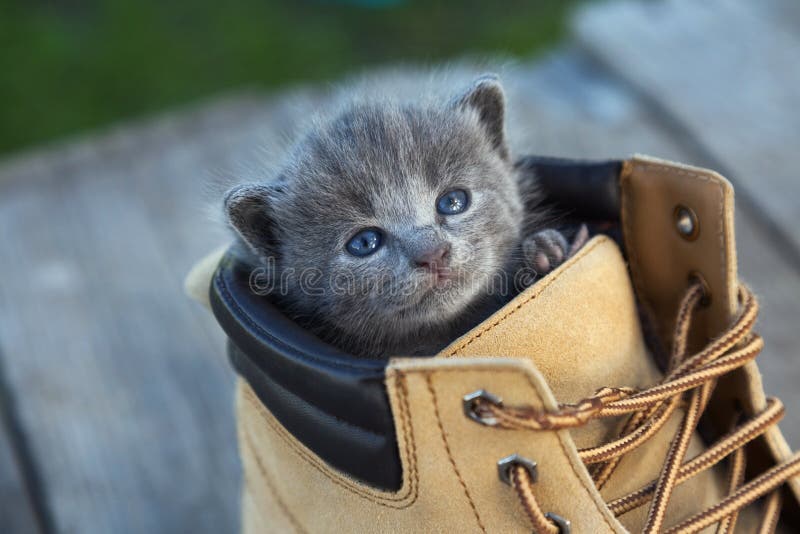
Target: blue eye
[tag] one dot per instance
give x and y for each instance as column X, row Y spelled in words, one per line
column 452, row 202
column 365, row 242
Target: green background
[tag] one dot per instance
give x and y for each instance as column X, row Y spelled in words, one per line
column 71, row 65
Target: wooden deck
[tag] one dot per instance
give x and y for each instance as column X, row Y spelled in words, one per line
column 115, row 396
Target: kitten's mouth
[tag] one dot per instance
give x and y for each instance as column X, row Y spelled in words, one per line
column 441, row 278
column 445, row 287
column 440, row 292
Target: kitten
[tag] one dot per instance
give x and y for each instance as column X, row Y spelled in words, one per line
column 394, row 228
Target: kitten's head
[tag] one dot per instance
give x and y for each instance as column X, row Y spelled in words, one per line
column 389, row 219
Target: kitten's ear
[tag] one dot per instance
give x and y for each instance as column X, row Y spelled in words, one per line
column 249, row 209
column 487, row 98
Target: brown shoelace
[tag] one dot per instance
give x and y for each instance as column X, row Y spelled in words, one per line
column 689, row 382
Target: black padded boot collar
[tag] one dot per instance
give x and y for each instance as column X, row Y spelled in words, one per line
column 334, row 403
column 587, row 190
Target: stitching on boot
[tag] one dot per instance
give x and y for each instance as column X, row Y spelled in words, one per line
column 271, row 485
column 336, row 478
column 544, row 285
column 449, row 453
column 408, row 437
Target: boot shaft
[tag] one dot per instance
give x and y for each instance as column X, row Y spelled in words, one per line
column 330, row 442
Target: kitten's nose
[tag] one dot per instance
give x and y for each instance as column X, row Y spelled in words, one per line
column 434, row 258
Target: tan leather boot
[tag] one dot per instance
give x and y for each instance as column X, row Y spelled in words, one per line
column 618, row 394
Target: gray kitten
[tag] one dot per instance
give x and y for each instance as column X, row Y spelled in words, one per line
column 394, row 228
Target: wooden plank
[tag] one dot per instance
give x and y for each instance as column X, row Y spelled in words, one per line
column 120, row 381
column 784, row 12
column 16, row 511
column 727, row 72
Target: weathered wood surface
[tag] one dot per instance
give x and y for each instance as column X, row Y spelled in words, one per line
column 726, row 72
column 16, row 512
column 120, row 383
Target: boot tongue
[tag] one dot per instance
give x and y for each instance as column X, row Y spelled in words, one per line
column 580, row 327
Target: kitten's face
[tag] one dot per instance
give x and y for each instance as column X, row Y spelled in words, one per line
column 402, row 214
column 390, row 220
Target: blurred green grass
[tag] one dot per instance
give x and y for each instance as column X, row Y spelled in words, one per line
column 72, row 65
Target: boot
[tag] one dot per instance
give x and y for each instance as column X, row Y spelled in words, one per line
column 617, row 394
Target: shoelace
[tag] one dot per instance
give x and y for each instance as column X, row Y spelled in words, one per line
column 689, row 382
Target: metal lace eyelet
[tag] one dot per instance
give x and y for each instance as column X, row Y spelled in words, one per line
column 505, row 465
column 564, row 526
column 696, row 277
column 686, row 222
column 471, row 402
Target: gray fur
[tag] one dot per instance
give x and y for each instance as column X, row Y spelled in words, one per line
column 384, row 164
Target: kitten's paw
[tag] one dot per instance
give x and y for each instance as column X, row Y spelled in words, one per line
column 579, row 240
column 545, row 250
